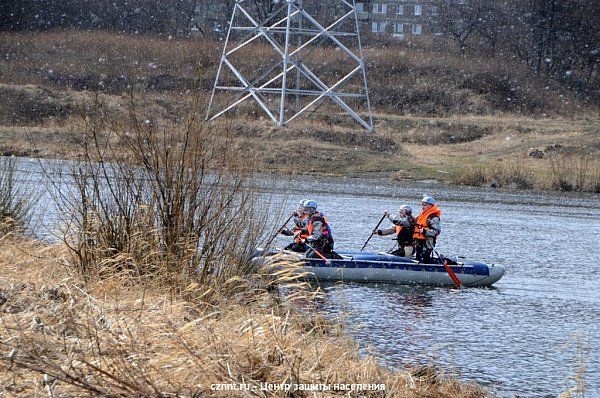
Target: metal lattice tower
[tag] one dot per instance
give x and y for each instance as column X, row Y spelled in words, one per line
column 292, row 80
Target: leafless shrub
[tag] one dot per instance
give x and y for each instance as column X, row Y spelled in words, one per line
column 16, row 202
column 161, row 201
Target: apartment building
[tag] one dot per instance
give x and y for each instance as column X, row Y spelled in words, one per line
column 399, row 18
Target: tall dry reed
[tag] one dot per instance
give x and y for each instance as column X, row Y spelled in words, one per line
column 577, row 381
column 504, row 175
column 574, row 172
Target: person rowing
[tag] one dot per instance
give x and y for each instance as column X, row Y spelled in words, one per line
column 319, row 239
column 298, row 230
column 404, row 226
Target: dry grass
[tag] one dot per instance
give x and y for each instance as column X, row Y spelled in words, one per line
column 83, row 59
column 62, row 336
column 558, row 172
column 580, row 364
column 429, row 79
column 514, row 175
column 431, row 132
column 574, row 173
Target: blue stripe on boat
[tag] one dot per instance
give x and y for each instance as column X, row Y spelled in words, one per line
column 383, row 262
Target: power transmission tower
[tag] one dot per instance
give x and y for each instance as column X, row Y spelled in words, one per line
column 294, row 75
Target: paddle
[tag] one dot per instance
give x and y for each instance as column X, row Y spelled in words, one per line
column 278, row 231
column 318, row 253
column 370, row 236
column 448, row 269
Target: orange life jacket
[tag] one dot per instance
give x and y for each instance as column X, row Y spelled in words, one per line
column 325, row 230
column 303, row 233
column 422, row 221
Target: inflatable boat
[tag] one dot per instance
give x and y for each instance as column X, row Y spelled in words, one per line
column 384, row 267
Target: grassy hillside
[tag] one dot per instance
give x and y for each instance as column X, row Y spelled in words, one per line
column 424, row 78
column 438, row 114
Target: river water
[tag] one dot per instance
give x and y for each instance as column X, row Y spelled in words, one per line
column 519, row 338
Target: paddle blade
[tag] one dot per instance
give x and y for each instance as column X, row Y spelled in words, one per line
column 452, row 274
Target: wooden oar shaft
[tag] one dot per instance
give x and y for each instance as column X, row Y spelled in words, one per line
column 370, row 236
column 278, row 231
column 318, row 252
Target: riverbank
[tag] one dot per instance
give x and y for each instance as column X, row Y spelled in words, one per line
column 116, row 336
column 491, row 151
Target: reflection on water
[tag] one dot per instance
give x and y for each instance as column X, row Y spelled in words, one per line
column 514, row 338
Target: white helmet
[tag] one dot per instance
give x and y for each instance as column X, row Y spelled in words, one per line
column 406, row 208
column 302, row 202
column 428, row 200
column 310, row 203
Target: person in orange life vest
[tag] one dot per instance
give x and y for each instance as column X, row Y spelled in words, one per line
column 404, row 227
column 318, row 230
column 297, row 230
column 427, row 229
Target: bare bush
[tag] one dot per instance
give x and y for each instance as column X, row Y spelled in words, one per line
column 169, row 202
column 16, row 203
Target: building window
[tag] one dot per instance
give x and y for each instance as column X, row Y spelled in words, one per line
column 359, row 6
column 378, row 27
column 399, row 28
column 416, row 29
column 418, row 10
column 400, row 9
column 379, row 8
